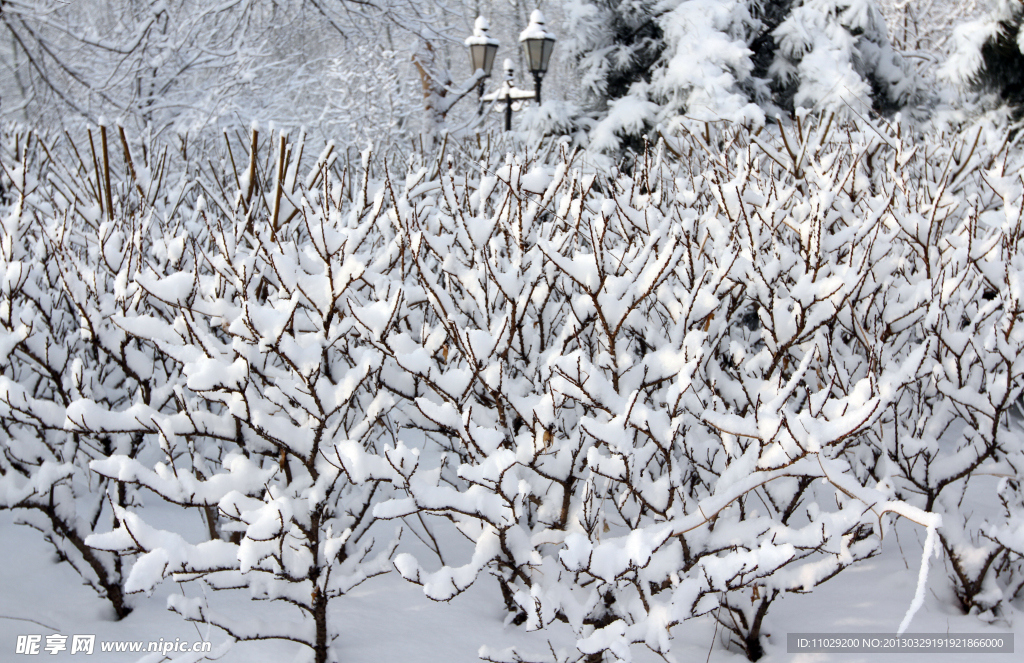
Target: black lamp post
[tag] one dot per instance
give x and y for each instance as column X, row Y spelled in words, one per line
column 510, row 94
column 537, row 46
column 482, row 49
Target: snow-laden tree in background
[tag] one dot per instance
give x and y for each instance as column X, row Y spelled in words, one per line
column 988, row 55
column 148, row 62
column 614, row 44
column 371, row 103
column 925, row 27
column 650, row 65
column 189, row 66
column 836, row 55
column 736, row 60
column 706, row 71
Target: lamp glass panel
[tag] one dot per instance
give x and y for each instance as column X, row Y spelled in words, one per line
column 538, row 53
column 476, row 56
column 481, row 56
column 547, row 46
column 490, row 50
column 532, row 48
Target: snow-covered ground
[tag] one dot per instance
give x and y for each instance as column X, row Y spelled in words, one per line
column 388, row 619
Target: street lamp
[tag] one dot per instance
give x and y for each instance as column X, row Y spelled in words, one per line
column 537, row 46
column 510, row 94
column 482, row 49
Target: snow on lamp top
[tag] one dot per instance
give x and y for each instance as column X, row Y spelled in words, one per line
column 537, row 44
column 480, row 36
column 535, row 30
column 482, row 47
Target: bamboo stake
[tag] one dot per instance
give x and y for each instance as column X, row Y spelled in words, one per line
column 131, row 164
column 278, row 186
column 106, row 172
column 234, row 169
column 253, row 147
column 96, row 169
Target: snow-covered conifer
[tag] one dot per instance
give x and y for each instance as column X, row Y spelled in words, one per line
column 836, row 55
column 988, row 55
column 710, row 60
column 614, row 44
column 685, row 59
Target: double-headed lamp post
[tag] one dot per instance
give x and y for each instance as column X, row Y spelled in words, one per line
column 537, row 46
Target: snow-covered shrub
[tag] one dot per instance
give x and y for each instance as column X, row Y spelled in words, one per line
column 679, row 390
column 70, row 260
column 1007, row 531
column 278, row 420
column 965, row 223
column 641, row 382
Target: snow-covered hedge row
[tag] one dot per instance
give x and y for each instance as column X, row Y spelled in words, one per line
column 647, row 396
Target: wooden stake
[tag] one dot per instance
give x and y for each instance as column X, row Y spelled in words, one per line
column 106, row 172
